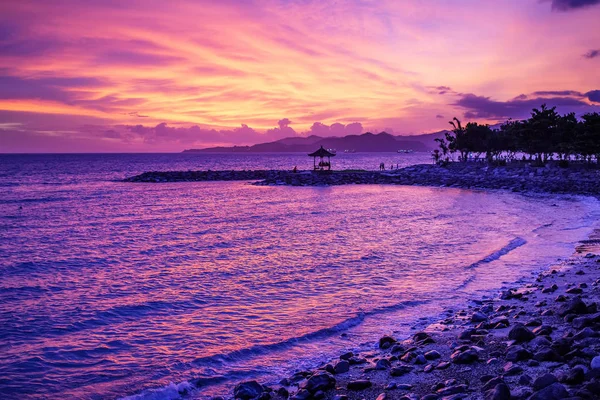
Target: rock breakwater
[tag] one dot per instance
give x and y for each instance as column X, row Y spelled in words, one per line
column 516, row 177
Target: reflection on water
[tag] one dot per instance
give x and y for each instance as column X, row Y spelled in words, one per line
column 109, row 289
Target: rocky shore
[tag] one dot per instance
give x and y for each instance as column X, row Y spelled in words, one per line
column 516, row 177
column 540, row 341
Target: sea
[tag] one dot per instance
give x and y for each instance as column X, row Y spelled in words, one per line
column 114, row 290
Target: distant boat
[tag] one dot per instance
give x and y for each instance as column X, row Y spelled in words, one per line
column 405, row 151
column 350, row 151
column 332, row 151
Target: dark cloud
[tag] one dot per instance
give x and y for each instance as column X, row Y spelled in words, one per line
column 592, row 54
column 559, row 93
column 567, row 5
column 484, row 107
column 593, row 96
column 48, row 88
column 439, row 116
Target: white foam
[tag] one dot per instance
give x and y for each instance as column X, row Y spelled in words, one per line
column 170, row 392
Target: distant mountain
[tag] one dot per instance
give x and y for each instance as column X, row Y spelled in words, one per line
column 367, row 142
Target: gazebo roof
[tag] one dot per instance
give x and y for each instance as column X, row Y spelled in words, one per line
column 321, row 153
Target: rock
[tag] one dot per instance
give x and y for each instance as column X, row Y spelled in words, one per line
column 428, row 368
column 432, row 355
column 517, row 353
column 500, row 392
column 319, row 381
column 520, row 334
column 478, row 317
column 347, row 356
column 422, row 338
column 465, row 357
column 574, row 306
column 247, row 390
column 543, row 330
column 510, row 369
column 452, row 390
column 574, row 376
column 574, row 291
column 420, row 360
column 443, row 365
column 544, row 381
column 595, row 364
column 400, row 370
column 340, row 397
column 525, row 380
column 302, row 394
column 283, row 392
column 391, row 386
column 547, row 354
column 539, row 342
column 341, row 367
column 382, row 396
column 405, row 386
column 360, row 384
column 386, row 342
column 397, row 348
column 584, row 333
column 466, row 335
column 555, row 391
column 382, row 365
column 492, row 383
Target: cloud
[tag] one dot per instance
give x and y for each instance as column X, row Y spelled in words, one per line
column 558, row 93
column 592, row 54
column 486, row 108
column 567, row 5
column 593, row 96
column 439, row 116
column 136, row 58
column 336, row 129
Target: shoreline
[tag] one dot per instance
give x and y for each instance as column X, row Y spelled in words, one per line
column 469, row 354
column 576, row 180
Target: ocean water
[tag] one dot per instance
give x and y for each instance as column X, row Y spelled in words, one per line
column 115, row 290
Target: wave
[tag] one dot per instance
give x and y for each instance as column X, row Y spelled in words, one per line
column 220, row 359
column 512, row 245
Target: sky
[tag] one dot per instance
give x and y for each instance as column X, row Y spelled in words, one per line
column 147, row 76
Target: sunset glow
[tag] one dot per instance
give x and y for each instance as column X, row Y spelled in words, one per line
column 164, row 76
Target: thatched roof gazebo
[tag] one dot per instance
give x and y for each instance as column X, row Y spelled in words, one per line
column 322, row 165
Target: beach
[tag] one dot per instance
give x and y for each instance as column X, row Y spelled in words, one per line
column 536, row 340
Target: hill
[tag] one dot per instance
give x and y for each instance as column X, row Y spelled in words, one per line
column 367, row 142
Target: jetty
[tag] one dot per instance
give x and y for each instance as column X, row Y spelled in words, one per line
column 518, row 177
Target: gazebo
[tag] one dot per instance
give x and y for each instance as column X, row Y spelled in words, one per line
column 322, row 165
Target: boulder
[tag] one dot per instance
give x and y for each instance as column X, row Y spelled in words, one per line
column 595, row 364
column 319, row 381
column 341, row 367
column 517, row 353
column 574, row 306
column 360, row 384
column 386, row 342
column 247, row 390
column 465, row 357
column 478, row 317
column 500, row 392
column 555, row 391
column 520, row 334
column 544, row 381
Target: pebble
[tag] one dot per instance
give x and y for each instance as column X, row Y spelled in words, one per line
column 360, row 384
